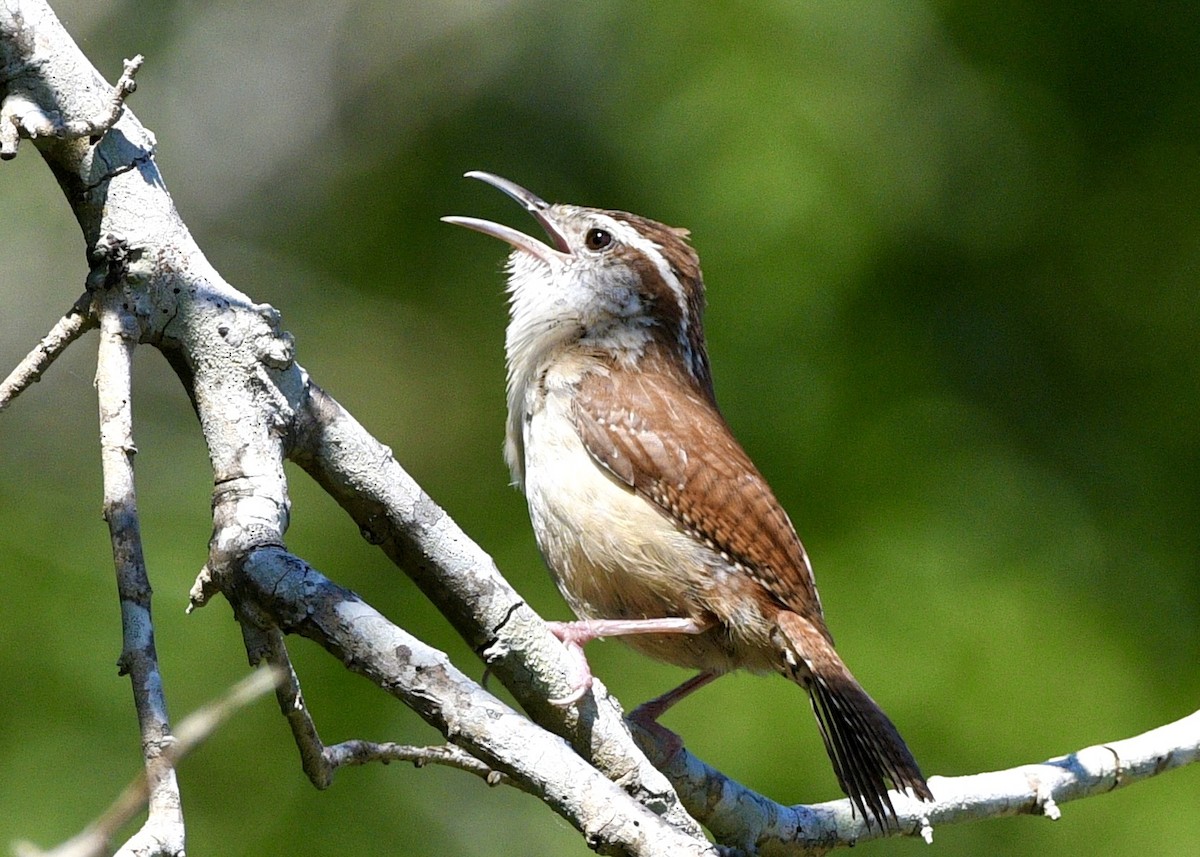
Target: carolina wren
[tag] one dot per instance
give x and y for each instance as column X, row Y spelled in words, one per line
column 654, row 522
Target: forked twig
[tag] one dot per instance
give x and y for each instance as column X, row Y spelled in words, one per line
column 320, row 761
column 21, row 115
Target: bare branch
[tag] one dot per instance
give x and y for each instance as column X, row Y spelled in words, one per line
column 393, row 512
column 740, row 817
column 163, row 832
column 300, row 600
column 364, row 752
column 77, row 321
column 191, row 732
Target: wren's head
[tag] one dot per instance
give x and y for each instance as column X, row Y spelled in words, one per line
column 609, row 282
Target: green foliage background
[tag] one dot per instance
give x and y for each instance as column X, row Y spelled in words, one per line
column 952, row 252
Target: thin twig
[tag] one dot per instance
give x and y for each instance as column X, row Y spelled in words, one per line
column 291, row 703
column 78, row 320
column 125, row 87
column 163, row 832
column 22, row 116
column 189, row 734
column 365, row 752
column 320, row 761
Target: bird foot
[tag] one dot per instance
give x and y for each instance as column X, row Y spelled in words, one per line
column 666, row 743
column 574, row 635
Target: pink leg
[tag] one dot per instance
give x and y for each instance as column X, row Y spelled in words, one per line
column 575, row 634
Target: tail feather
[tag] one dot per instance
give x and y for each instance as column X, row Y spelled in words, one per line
column 863, row 745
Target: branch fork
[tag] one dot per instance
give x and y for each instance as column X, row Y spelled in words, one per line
column 22, row 113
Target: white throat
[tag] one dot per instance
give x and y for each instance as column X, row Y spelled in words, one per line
column 557, row 314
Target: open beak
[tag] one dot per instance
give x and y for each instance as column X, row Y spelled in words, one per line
column 535, row 206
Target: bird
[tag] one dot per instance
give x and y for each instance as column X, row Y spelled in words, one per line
column 655, row 524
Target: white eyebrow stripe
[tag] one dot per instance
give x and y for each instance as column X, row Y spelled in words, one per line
column 627, row 234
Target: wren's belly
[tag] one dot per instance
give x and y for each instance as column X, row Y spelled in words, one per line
column 614, row 555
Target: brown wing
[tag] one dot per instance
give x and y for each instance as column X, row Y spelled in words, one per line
column 669, row 443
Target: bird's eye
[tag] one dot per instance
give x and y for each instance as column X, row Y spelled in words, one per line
column 597, row 239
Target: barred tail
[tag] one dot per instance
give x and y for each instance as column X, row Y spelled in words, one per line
column 863, row 745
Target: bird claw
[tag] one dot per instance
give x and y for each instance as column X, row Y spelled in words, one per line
column 645, row 717
column 573, row 697
column 573, row 635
